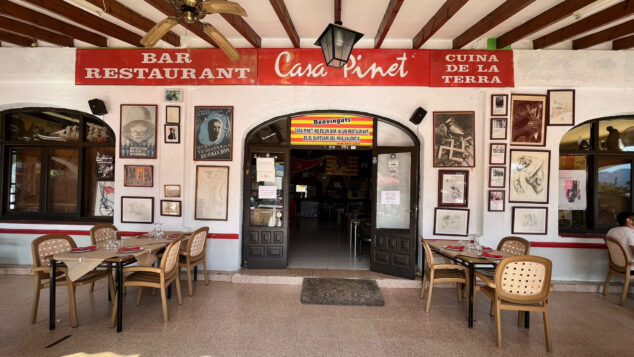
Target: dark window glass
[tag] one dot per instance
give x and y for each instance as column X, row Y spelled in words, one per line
column 577, row 139
column 614, row 189
column 42, row 126
column 24, row 179
column 273, row 133
column 616, row 135
column 63, row 165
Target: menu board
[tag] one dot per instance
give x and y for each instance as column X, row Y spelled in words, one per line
column 332, row 129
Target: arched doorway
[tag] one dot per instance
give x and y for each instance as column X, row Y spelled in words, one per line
column 331, row 167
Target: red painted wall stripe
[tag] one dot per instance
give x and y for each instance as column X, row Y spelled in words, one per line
column 87, row 233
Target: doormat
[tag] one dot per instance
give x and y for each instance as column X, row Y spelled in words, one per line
column 355, row 292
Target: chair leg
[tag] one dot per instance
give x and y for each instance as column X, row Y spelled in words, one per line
column 475, row 302
column 189, row 280
column 113, row 317
column 549, row 345
column 422, row 288
column 607, row 282
column 431, row 289
column 626, row 287
column 139, row 294
column 205, row 270
column 178, row 291
column 111, row 287
column 36, row 298
column 492, row 310
column 520, row 317
column 498, row 320
column 459, row 291
column 92, row 287
column 164, row 302
column 72, row 304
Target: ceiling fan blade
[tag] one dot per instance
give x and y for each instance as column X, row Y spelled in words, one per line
column 222, row 42
column 158, row 31
column 222, row 7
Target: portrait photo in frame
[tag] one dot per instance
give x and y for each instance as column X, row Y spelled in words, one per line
column 170, row 208
column 497, row 154
column 172, row 114
column 497, row 176
column 172, row 190
column 138, row 176
column 451, row 221
column 528, row 124
column 212, row 192
column 454, row 139
column 453, row 188
column 499, row 104
column 172, row 134
column 138, row 131
column 213, row 133
column 173, row 95
column 561, row 107
column 496, row 200
column 498, row 128
column 137, row 209
column 529, row 175
column 529, row 220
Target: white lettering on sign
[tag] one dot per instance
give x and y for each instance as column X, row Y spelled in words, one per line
column 297, row 70
column 474, row 73
column 181, row 57
column 395, row 69
column 167, row 73
column 454, row 57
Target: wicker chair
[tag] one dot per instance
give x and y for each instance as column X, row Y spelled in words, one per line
column 51, row 244
column 195, row 254
column 442, row 273
column 620, row 265
column 100, row 234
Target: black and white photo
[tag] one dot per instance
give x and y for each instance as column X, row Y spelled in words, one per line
column 497, row 176
column 454, row 139
column 105, row 166
column 499, row 104
column 497, row 154
column 172, row 134
column 498, row 128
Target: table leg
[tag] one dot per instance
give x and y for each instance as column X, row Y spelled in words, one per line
column 527, row 319
column 169, row 291
column 119, row 296
column 51, row 301
column 471, row 288
column 196, row 273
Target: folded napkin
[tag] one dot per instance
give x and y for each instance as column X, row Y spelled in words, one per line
column 84, row 249
column 128, row 249
column 487, row 248
column 455, row 247
column 489, row 255
column 172, row 236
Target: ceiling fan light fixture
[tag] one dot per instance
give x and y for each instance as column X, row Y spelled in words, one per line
column 336, row 44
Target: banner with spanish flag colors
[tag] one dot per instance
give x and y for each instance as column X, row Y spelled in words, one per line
column 332, row 129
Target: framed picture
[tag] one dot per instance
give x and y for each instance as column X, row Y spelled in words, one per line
column 453, row 188
column 104, row 199
column 498, row 128
column 496, row 200
column 172, row 114
column 170, row 208
column 497, row 176
column 137, row 209
column 454, row 139
column 530, row 220
column 172, row 190
column 173, row 95
column 138, row 176
column 528, row 176
column 497, row 154
column 499, row 104
column 172, row 134
column 451, row 221
column 561, row 107
column 212, row 191
column 528, row 127
column 138, row 131
column 105, row 166
column 213, row 130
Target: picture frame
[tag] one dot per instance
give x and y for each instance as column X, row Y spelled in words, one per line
column 135, row 209
column 529, row 176
column 172, row 134
column 172, row 190
column 497, row 176
column 170, row 208
column 453, row 188
column 451, row 221
column 497, row 154
column 498, row 128
column 172, row 114
column 496, row 200
column 528, row 124
column 499, row 104
column 104, row 166
column 212, row 192
column 138, row 131
column 138, row 175
column 173, row 95
column 530, row 220
column 561, row 107
column 213, row 133
column 454, row 139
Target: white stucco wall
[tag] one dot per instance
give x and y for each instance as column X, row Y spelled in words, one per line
column 603, row 80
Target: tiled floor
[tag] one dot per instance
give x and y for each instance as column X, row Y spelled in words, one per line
column 225, row 319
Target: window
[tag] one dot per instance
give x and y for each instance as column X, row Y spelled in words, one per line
column 57, row 165
column 603, row 149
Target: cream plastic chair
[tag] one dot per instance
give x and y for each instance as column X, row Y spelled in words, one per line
column 441, row 273
column 620, row 265
column 194, row 254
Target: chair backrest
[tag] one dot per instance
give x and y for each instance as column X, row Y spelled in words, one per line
column 429, row 255
column 50, row 244
column 169, row 262
column 102, row 233
column 523, row 279
column 197, row 243
column 514, row 246
column 619, row 254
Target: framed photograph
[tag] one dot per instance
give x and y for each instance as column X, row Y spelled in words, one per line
column 528, row 127
column 497, row 154
column 213, row 130
column 530, row 220
column 561, row 107
column 172, row 114
column 172, row 190
column 499, row 104
column 138, row 176
column 498, row 128
column 137, row 209
column 170, row 208
column 138, row 131
column 528, row 176
column 105, row 166
column 172, row 134
column 212, row 192
column 451, row 221
column 497, row 176
column 496, row 200
column 454, row 139
column 453, row 188
column 173, row 95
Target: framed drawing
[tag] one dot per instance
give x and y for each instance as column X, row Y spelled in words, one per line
column 172, row 114
column 528, row 127
column 561, row 107
column 453, row 188
column 170, row 208
column 138, row 131
column 173, row 95
column 213, row 130
column 498, row 128
column 172, row 134
column 528, row 176
column 451, row 221
column 137, row 209
column 530, row 220
column 212, row 192
column 499, row 104
column 172, row 190
column 138, row 176
column 497, row 176
column 454, row 139
column 104, row 199
column 496, row 200
column 497, row 154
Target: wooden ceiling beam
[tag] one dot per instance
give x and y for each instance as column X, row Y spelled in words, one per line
column 607, row 16
column 337, row 4
column 39, row 19
column 623, row 43
column 606, row 35
column 25, row 29
column 123, row 13
column 285, row 18
column 541, row 21
column 390, row 14
column 16, row 39
column 446, row 12
column 168, row 10
column 244, row 29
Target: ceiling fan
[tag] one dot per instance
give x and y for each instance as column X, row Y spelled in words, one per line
column 193, row 11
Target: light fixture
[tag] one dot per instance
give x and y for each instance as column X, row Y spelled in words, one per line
column 336, row 43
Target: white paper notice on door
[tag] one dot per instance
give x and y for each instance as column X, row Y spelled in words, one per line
column 265, row 169
column 390, row 197
column 267, row 192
